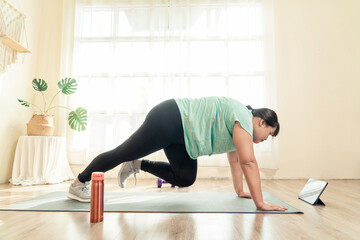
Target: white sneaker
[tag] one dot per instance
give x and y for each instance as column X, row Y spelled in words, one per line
column 80, row 191
column 128, row 168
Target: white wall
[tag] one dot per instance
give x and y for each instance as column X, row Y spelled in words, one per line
column 318, row 87
column 318, row 84
column 14, row 84
column 43, row 25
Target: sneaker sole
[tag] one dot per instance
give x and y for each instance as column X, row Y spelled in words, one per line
column 72, row 196
column 123, row 184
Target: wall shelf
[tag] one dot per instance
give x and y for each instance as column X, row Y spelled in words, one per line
column 8, row 41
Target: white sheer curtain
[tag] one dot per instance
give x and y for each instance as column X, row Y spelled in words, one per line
column 131, row 55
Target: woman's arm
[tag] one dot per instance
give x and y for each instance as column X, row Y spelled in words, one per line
column 244, row 148
column 237, row 174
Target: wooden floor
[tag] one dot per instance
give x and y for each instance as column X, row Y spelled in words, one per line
column 339, row 219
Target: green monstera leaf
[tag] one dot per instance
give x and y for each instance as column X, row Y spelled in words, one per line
column 68, row 85
column 77, row 119
column 24, row 103
column 39, row 85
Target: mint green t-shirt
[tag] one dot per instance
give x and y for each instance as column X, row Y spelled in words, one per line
column 208, row 124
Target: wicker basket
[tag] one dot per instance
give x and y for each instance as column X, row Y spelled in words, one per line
column 41, row 125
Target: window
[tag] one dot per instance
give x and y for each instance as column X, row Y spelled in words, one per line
column 131, row 55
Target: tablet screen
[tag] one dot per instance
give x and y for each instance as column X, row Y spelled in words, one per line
column 312, row 190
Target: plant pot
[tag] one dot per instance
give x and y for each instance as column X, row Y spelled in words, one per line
column 41, row 125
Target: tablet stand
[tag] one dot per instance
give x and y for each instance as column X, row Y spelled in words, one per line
column 319, row 202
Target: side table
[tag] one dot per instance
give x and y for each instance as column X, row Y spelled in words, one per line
column 40, row 160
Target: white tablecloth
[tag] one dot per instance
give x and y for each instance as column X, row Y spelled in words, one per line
column 40, row 160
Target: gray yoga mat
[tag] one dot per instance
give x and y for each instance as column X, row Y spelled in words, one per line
column 154, row 202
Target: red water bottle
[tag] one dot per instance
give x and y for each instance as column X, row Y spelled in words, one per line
column 97, row 197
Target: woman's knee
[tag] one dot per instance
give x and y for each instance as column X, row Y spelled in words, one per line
column 186, row 181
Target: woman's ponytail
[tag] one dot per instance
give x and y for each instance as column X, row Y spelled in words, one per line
column 250, row 108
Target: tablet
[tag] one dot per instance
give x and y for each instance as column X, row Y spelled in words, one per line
column 312, row 191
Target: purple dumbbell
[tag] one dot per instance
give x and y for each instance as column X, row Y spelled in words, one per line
column 160, row 182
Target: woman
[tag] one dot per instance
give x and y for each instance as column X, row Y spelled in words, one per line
column 186, row 129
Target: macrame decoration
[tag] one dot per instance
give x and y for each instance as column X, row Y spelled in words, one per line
column 12, row 25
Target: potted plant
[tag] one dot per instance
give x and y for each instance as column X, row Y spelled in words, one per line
column 41, row 123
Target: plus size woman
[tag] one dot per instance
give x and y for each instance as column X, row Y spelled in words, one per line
column 186, row 129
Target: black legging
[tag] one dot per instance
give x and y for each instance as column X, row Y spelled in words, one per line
column 162, row 129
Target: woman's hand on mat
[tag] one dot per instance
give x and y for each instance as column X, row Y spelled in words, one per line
column 244, row 195
column 271, row 207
